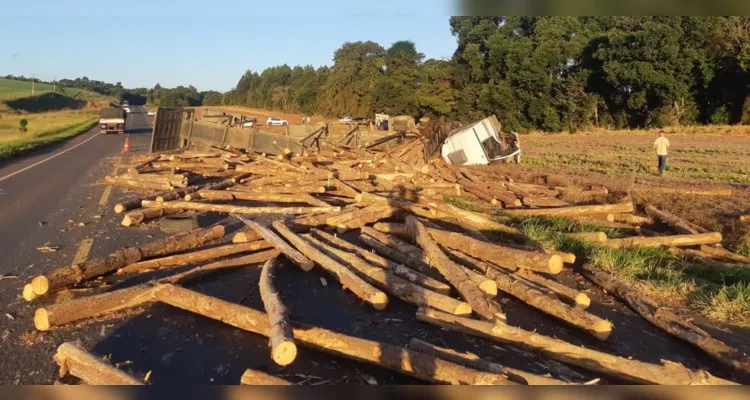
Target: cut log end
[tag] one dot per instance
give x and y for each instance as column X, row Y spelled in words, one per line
column 284, row 353
column 41, row 320
column 379, row 301
column 119, row 208
column 40, row 285
column 28, row 292
column 602, row 329
column 489, row 287
column 582, row 301
column 463, row 309
column 555, row 264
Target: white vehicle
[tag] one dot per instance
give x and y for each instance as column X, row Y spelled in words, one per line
column 480, row 143
column 151, row 113
column 346, row 120
column 249, row 124
column 127, row 109
column 273, row 121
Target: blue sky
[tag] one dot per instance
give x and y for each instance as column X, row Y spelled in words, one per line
column 205, row 43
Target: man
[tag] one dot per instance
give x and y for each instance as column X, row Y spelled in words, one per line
column 661, row 145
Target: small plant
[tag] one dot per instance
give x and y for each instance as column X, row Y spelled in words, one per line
column 22, row 125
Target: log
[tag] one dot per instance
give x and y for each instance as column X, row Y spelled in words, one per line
column 722, row 253
column 394, row 249
column 176, row 194
column 254, row 377
column 347, row 278
column 392, row 284
column 288, row 251
column 28, row 292
column 388, row 265
column 137, row 184
column 705, row 259
column 597, row 237
column 631, row 219
column 478, row 191
column 456, row 275
column 248, row 196
column 135, row 218
column 690, row 191
column 194, row 257
column 669, row 373
column 667, row 241
column 418, row 365
column 230, row 209
column 544, row 202
column 135, row 203
column 471, row 360
column 664, row 318
column 175, row 180
column 361, row 216
column 66, row 276
column 91, row 369
column 678, row 224
column 245, row 235
column 283, row 349
column 101, row 304
column 744, row 218
column 576, row 210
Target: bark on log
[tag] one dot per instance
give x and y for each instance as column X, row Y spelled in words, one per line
column 673, row 240
column 135, row 218
column 744, row 218
column 394, row 249
column 676, row 223
column 137, row 184
column 478, row 191
column 597, row 237
column 705, row 259
column 66, row 276
column 669, row 373
column 288, row 251
column 544, row 202
column 230, row 209
column 250, row 196
column 245, row 235
column 283, row 349
column 631, row 219
column 724, row 254
column 176, row 194
column 471, row 360
column 91, row 369
column 664, row 318
column 690, row 191
column 346, row 277
column 418, row 365
column 253, row 377
column 194, row 257
column 456, row 275
column 576, row 210
column 393, row 267
column 392, row 284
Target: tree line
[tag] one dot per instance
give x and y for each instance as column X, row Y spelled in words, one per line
column 545, row 73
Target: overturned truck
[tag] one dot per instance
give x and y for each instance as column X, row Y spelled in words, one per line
column 480, row 143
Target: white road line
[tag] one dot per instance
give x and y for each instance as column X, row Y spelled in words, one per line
column 48, row 158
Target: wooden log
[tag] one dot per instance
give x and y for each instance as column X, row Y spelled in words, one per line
column 91, row 369
column 395, row 249
column 418, row 365
column 362, row 216
column 230, row 209
column 689, row 191
column 347, row 278
column 135, row 203
column 245, row 235
column 669, row 373
column 283, row 349
column 724, row 254
column 604, row 220
column 397, row 269
column 477, row 191
column 456, row 275
column 175, row 180
column 194, row 257
column 631, row 219
column 288, row 251
column 176, row 194
column 678, row 224
column 28, row 292
column 705, row 259
column 66, row 276
column 254, row 377
column 744, row 218
column 576, row 210
column 392, row 284
column 137, row 184
column 471, row 360
column 664, row 318
column 597, row 237
column 530, row 201
column 134, row 218
column 247, row 196
column 667, row 241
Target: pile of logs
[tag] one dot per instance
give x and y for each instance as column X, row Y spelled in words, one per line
column 413, row 244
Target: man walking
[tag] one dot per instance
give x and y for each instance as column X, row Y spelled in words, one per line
column 661, row 145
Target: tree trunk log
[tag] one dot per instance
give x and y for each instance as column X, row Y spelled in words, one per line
column 135, row 218
column 471, row 360
column 66, row 276
column 229, row 209
column 283, row 349
column 664, row 318
column 530, row 201
column 597, row 237
column 347, row 278
column 392, row 284
column 631, row 219
column 418, row 365
column 576, row 210
column 137, row 184
column 396, row 250
column 678, row 224
column 288, row 251
column 744, row 218
column 253, row 377
column 669, row 373
column 91, row 369
column 176, row 194
column 722, row 253
column 667, row 241
column 397, row 269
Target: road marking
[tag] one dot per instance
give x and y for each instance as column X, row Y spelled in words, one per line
column 83, row 251
column 105, row 196
column 48, row 158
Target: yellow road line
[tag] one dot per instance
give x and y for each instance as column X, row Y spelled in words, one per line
column 83, row 251
column 105, row 195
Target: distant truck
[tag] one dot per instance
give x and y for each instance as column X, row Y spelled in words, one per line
column 112, row 120
column 481, row 143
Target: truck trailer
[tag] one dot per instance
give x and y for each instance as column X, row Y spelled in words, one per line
column 112, row 120
column 481, row 143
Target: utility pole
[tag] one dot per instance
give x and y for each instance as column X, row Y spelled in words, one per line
column 54, row 84
column 32, row 84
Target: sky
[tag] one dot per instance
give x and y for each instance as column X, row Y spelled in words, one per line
column 207, row 44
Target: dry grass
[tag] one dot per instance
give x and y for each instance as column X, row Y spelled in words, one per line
column 43, row 128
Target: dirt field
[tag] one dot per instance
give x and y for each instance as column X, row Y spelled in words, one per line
column 262, row 115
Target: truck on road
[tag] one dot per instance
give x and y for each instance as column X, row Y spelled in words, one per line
column 112, row 119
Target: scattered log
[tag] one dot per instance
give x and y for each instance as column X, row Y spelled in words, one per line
column 456, row 275
column 670, row 373
column 135, row 218
column 557, row 180
column 283, row 349
column 664, row 318
column 176, row 194
column 392, row 284
column 418, row 365
column 744, row 218
column 91, row 369
column 667, row 241
column 137, row 184
column 576, row 210
column 388, row 265
column 598, row 237
column 544, row 202
column 28, row 292
column 471, row 360
column 347, row 278
column 705, row 259
column 288, row 251
column 254, row 377
column 676, row 223
column 230, row 209
column 631, row 219
column 248, row 196
column 194, row 257
column 478, row 191
column 392, row 248
column 722, row 253
column 689, row 191
column 245, row 235
column 362, row 217
column 66, row 276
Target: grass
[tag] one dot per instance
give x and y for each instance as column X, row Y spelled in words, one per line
column 461, row 203
column 743, row 246
column 43, row 129
column 10, row 89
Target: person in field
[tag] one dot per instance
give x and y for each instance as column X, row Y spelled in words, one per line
column 661, row 145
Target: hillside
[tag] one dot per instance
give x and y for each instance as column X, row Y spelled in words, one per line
column 10, row 88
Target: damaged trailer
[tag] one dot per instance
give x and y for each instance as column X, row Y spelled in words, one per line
column 481, row 143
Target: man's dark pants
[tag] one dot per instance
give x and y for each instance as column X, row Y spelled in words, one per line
column 662, row 163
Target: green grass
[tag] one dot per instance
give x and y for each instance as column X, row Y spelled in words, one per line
column 31, row 142
column 10, row 89
column 461, row 203
column 743, row 246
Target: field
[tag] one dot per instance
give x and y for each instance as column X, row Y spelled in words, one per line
column 10, row 89
column 262, row 115
column 43, row 128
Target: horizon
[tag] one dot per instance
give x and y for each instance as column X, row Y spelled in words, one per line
column 214, row 50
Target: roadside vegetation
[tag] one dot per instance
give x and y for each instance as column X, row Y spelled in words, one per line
column 43, row 129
